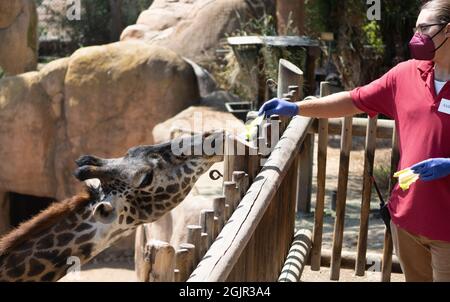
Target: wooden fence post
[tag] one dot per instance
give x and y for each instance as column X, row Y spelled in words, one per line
column 338, row 235
column 162, row 257
column 386, row 265
column 195, row 237
column 186, row 262
column 366, row 196
column 207, row 223
column 219, row 211
column 182, row 265
column 141, row 264
column 305, row 175
column 321, row 189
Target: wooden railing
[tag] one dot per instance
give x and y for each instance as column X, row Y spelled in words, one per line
column 247, row 235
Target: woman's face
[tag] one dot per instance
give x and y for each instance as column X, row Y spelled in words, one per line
column 427, row 17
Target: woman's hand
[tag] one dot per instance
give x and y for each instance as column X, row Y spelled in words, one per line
column 432, row 169
column 278, row 107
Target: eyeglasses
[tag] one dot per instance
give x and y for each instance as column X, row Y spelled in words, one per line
column 422, row 27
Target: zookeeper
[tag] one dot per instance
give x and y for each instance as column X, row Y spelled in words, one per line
column 416, row 94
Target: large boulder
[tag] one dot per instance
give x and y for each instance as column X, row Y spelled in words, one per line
column 18, row 36
column 101, row 100
column 197, row 119
column 194, row 28
column 27, row 136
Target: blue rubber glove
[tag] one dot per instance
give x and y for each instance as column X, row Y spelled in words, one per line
column 432, row 169
column 278, row 107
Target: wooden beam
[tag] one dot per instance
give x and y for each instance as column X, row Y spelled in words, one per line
column 141, row 265
column 186, row 263
column 305, row 175
column 288, row 75
column 162, row 258
column 321, row 179
column 388, row 244
column 384, row 127
column 207, row 223
column 219, row 211
column 194, row 236
column 348, row 260
column 369, row 158
column 183, row 263
column 273, row 41
column 344, row 161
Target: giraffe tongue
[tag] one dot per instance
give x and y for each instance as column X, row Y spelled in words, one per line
column 104, row 212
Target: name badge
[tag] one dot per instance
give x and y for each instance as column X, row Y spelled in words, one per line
column 445, row 106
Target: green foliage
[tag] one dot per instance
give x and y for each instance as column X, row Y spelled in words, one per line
column 2, row 73
column 316, row 21
column 373, row 37
column 387, row 38
column 239, row 73
column 264, row 26
column 95, row 26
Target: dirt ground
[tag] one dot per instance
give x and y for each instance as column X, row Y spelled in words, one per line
column 123, row 270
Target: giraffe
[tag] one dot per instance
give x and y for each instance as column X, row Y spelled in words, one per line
column 138, row 188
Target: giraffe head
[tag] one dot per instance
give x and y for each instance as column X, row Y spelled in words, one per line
column 149, row 180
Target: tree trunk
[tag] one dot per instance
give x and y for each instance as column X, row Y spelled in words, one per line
column 349, row 49
column 290, row 17
column 116, row 19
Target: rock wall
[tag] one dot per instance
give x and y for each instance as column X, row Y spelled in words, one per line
column 18, row 36
column 101, row 100
column 194, row 28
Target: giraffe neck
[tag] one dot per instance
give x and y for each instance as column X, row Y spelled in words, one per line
column 43, row 249
column 47, row 255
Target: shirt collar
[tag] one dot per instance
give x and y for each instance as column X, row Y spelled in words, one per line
column 425, row 67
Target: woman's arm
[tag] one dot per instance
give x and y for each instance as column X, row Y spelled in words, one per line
column 335, row 105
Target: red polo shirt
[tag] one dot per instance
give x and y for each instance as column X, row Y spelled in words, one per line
column 407, row 94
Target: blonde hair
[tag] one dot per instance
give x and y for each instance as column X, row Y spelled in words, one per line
column 440, row 7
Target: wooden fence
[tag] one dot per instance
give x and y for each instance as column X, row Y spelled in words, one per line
column 249, row 233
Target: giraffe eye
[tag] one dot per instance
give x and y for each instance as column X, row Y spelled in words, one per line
column 146, row 180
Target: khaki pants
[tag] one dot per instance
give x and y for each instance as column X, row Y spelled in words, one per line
column 421, row 259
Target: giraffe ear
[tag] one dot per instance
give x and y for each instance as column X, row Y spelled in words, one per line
column 104, row 212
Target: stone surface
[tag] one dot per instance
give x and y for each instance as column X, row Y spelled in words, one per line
column 9, row 12
column 193, row 28
column 18, row 36
column 27, row 136
column 102, row 100
column 197, row 119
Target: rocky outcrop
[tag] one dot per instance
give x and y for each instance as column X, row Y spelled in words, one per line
column 194, row 28
column 197, row 119
column 102, row 100
column 18, row 36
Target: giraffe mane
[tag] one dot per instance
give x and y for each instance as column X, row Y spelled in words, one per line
column 47, row 218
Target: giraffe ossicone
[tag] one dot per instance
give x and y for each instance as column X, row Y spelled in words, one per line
column 138, row 188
